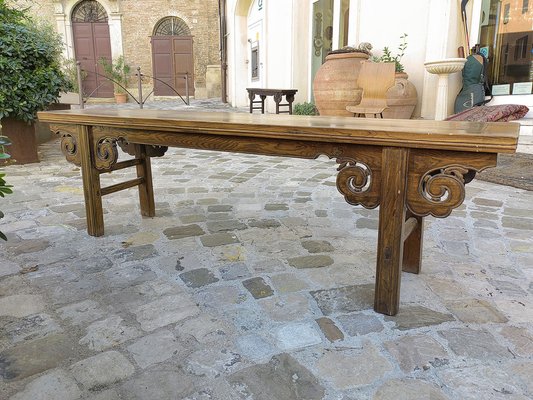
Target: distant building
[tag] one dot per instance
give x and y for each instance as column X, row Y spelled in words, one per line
column 282, row 43
column 167, row 39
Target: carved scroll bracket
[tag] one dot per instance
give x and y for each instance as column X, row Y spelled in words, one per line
column 151, row 151
column 105, row 152
column 359, row 177
column 69, row 142
column 436, row 181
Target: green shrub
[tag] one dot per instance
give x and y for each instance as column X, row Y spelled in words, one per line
column 305, row 109
column 30, row 55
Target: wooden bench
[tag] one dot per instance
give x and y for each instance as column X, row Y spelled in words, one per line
column 410, row 168
column 276, row 93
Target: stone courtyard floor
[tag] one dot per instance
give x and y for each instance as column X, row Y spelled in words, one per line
column 255, row 281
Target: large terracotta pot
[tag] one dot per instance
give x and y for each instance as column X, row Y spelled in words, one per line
column 401, row 98
column 23, row 148
column 335, row 83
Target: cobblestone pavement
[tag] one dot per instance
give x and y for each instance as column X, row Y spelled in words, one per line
column 255, row 281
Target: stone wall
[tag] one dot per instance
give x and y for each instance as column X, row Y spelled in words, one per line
column 138, row 20
column 140, row 17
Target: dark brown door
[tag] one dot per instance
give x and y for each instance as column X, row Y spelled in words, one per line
column 91, row 42
column 172, row 61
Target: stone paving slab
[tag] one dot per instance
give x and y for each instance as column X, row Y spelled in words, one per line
column 255, row 281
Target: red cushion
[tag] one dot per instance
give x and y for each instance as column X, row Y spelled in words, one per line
column 501, row 113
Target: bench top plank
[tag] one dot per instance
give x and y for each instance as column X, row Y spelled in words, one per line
column 494, row 137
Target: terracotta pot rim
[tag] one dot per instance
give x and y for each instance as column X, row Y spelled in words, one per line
column 401, row 75
column 346, row 55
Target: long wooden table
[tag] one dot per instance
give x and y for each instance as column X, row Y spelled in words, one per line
column 410, row 168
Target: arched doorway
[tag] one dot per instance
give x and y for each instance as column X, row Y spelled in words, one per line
column 172, row 57
column 90, row 30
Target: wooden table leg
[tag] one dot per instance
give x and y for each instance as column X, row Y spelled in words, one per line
column 146, row 189
column 91, row 183
column 412, row 246
column 390, row 237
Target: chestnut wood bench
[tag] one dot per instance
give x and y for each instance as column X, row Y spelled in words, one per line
column 276, row 93
column 410, row 168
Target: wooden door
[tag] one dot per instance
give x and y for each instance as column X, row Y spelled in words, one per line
column 172, row 60
column 91, row 42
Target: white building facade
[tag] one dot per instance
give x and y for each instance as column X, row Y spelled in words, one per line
column 282, row 43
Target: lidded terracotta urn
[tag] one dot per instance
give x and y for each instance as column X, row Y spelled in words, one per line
column 335, row 83
column 401, row 98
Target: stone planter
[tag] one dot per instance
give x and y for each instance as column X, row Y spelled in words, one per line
column 335, row 83
column 23, row 149
column 401, row 98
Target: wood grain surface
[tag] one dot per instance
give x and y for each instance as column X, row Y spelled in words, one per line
column 498, row 137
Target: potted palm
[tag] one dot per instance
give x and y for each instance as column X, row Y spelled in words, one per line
column 118, row 72
column 32, row 79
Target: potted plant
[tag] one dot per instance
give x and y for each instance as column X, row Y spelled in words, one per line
column 4, row 187
column 117, row 71
column 31, row 78
column 402, row 97
column 388, row 57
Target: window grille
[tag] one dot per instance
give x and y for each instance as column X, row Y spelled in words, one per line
column 172, row 26
column 89, row 11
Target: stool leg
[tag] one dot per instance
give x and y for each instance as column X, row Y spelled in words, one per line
column 277, row 100
column 251, row 96
column 290, row 99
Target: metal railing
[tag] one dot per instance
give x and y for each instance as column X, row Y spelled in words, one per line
column 140, row 101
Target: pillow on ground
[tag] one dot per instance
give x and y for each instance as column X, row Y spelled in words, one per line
column 501, row 113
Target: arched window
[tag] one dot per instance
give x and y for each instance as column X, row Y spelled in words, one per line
column 172, row 26
column 89, row 11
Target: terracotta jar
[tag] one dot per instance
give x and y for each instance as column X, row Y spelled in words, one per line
column 401, row 98
column 335, row 83
column 121, row 98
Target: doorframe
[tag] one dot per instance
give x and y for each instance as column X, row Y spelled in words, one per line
column 63, row 16
column 526, row 99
